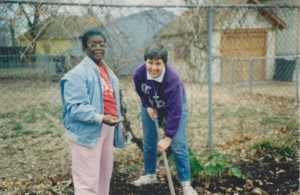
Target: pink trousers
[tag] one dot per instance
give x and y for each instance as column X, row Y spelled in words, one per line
column 92, row 167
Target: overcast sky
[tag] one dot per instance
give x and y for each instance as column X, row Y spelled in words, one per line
column 117, row 11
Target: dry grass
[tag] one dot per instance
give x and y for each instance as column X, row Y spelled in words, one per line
column 32, row 143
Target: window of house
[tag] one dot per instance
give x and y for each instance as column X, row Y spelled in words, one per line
column 182, row 53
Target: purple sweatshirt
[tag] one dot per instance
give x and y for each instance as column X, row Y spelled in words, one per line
column 170, row 94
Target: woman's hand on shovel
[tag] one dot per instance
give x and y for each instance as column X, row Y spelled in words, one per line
column 152, row 113
column 164, row 144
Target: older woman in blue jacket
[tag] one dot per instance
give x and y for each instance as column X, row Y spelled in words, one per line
column 92, row 117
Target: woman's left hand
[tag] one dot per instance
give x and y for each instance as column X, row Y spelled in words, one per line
column 164, row 144
column 111, row 120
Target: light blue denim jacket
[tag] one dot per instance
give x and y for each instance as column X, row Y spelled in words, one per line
column 82, row 102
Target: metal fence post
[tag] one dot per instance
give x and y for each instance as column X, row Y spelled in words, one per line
column 232, row 74
column 210, row 76
column 297, row 78
column 221, row 70
column 297, row 52
column 251, row 76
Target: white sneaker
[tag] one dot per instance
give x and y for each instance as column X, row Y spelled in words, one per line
column 145, row 180
column 189, row 191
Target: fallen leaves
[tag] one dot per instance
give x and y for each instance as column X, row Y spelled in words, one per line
column 54, row 183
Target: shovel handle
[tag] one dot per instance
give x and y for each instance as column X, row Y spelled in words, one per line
column 166, row 164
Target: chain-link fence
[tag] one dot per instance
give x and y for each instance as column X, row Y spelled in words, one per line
column 254, row 56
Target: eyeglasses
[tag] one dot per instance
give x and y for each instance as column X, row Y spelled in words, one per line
column 94, row 45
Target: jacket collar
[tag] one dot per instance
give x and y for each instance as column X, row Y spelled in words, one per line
column 159, row 78
column 91, row 64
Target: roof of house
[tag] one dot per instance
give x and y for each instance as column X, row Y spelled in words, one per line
column 197, row 17
column 270, row 16
column 65, row 27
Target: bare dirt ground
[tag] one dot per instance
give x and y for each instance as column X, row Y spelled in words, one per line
column 35, row 158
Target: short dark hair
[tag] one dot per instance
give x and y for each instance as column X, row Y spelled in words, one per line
column 90, row 33
column 156, row 51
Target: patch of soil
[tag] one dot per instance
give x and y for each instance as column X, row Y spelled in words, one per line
column 265, row 175
column 121, row 186
column 272, row 175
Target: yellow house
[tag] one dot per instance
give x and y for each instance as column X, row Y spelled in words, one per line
column 58, row 34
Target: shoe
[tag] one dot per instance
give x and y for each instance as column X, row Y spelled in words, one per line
column 145, row 180
column 189, row 191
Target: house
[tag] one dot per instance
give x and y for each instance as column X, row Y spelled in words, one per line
column 58, row 41
column 5, row 34
column 236, row 33
column 58, row 34
column 128, row 37
column 9, row 54
column 288, row 41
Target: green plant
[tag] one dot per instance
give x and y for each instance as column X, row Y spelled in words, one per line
column 17, row 127
column 4, row 136
column 213, row 166
column 15, row 141
column 54, row 111
column 269, row 120
column 31, row 118
column 293, row 124
column 27, row 132
column 270, row 148
column 8, row 115
column 46, row 132
column 233, row 171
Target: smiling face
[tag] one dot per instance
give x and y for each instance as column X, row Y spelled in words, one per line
column 95, row 48
column 155, row 67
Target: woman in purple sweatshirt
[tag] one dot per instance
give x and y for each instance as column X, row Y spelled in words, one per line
column 163, row 95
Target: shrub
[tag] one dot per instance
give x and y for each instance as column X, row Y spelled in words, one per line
column 270, row 148
column 214, row 166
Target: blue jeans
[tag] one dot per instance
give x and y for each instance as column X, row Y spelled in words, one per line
column 178, row 145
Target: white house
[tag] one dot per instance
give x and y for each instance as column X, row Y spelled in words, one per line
column 236, row 33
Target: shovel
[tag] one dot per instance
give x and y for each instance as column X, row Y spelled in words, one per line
column 170, row 182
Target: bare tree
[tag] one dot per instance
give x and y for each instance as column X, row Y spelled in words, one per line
column 33, row 24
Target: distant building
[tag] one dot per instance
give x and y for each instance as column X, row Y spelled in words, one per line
column 237, row 33
column 58, row 44
column 129, row 36
column 60, row 34
column 9, row 54
column 287, row 39
column 5, row 34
